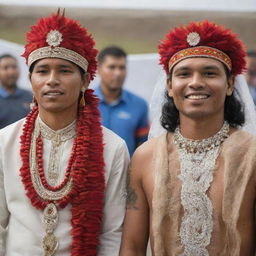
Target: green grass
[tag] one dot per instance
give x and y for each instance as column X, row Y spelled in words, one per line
column 131, row 45
column 13, row 35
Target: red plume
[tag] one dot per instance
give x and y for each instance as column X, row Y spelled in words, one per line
column 211, row 35
column 75, row 38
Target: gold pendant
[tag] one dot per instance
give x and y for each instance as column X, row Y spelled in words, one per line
column 50, row 244
column 50, row 221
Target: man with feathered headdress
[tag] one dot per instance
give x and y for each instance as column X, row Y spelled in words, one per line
column 62, row 175
column 192, row 189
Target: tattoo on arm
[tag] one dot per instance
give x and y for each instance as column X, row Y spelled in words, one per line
column 131, row 194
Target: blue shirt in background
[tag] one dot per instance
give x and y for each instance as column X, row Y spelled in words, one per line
column 127, row 117
column 13, row 107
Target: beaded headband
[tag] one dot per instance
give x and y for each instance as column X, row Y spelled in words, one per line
column 54, row 38
column 193, row 39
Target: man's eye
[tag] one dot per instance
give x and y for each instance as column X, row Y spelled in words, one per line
column 210, row 73
column 183, row 74
column 65, row 71
column 41, row 71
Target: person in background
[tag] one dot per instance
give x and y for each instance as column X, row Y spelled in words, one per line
column 122, row 111
column 251, row 73
column 14, row 102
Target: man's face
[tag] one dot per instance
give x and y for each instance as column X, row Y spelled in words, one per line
column 9, row 72
column 251, row 71
column 199, row 87
column 56, row 84
column 112, row 72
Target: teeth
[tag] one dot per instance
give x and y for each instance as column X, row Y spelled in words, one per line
column 53, row 93
column 197, row 97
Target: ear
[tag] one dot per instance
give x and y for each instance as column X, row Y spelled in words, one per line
column 86, row 80
column 169, row 87
column 230, row 82
column 29, row 77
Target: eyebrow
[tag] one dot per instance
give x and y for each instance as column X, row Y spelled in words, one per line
column 211, row 67
column 186, row 68
column 182, row 68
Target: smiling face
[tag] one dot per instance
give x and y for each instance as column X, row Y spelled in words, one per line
column 56, row 84
column 199, row 87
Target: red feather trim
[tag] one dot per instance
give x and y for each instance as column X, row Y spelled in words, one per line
column 211, row 35
column 75, row 37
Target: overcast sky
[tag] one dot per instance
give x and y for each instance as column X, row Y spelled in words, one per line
column 224, row 5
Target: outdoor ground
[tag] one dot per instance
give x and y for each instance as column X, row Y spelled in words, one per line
column 136, row 31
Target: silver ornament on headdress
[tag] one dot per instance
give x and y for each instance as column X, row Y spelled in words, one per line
column 54, row 38
column 193, row 38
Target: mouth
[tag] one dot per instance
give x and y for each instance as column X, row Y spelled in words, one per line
column 53, row 93
column 197, row 96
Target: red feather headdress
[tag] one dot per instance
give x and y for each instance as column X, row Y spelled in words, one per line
column 204, row 39
column 61, row 37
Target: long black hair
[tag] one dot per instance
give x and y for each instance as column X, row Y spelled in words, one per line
column 233, row 110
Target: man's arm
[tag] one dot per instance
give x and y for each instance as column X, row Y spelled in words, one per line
column 114, row 209
column 136, row 225
column 4, row 213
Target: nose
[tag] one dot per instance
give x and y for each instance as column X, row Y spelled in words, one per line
column 118, row 72
column 12, row 71
column 53, row 79
column 197, row 81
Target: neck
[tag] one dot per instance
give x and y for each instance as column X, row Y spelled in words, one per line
column 200, row 129
column 110, row 95
column 57, row 121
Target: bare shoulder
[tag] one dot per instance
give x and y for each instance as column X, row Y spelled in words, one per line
column 145, row 151
column 142, row 159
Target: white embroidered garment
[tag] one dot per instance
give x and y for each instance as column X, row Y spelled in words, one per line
column 197, row 163
column 197, row 223
column 21, row 229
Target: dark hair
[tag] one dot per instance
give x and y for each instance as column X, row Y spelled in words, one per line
column 233, row 110
column 6, row 55
column 114, row 51
column 251, row 53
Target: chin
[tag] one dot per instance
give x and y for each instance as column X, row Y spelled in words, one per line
column 197, row 115
column 53, row 108
column 115, row 88
column 11, row 85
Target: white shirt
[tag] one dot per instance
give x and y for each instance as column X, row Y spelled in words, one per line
column 21, row 229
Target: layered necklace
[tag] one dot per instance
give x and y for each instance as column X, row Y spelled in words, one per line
column 83, row 185
column 197, row 163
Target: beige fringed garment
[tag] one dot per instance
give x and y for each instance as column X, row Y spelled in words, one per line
column 232, row 192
